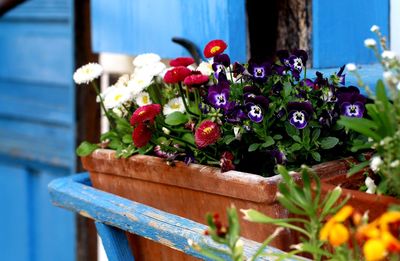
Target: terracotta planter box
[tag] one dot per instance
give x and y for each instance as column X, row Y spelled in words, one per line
column 192, row 191
column 361, row 201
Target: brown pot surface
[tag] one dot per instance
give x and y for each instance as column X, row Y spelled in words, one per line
column 191, row 192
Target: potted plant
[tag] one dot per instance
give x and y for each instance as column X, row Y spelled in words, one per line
column 217, row 131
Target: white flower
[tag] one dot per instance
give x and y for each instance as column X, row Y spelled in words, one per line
column 395, row 164
column 142, row 99
column 139, row 82
column 370, row 185
column 205, row 68
column 175, row 104
column 374, row 28
column 166, row 131
column 115, row 97
column 390, row 77
column 370, row 42
column 146, row 59
column 375, row 163
column 238, row 134
column 351, row 67
column 87, row 73
column 398, row 86
column 154, row 69
column 388, row 55
column 122, row 81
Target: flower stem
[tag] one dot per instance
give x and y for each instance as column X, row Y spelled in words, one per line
column 184, row 101
column 96, row 89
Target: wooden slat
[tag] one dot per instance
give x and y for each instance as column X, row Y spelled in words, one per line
column 32, row 141
column 42, row 9
column 170, row 230
column 340, row 27
column 135, row 27
column 41, row 53
column 115, row 243
column 37, row 102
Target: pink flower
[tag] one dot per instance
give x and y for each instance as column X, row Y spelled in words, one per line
column 206, row 134
column 182, row 61
column 214, row 48
column 145, row 113
column 141, row 135
column 226, row 161
column 196, row 80
column 176, row 74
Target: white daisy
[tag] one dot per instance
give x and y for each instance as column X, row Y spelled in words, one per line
column 205, row 68
column 370, row 42
column 175, row 104
column 122, row 81
column 374, row 28
column 351, row 67
column 87, row 73
column 154, row 69
column 115, row 97
column 375, row 163
column 388, row 55
column 142, row 99
column 370, row 184
column 139, row 82
column 146, row 59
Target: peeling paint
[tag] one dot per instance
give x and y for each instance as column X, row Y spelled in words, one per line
column 85, row 214
column 168, row 243
column 131, row 216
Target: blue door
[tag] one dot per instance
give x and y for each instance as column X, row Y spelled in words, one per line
column 37, row 129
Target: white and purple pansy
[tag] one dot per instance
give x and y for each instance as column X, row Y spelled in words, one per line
column 220, row 63
column 255, row 108
column 297, row 61
column 234, row 112
column 351, row 102
column 259, row 71
column 218, row 95
column 299, row 114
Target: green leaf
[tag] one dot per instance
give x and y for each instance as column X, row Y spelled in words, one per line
column 176, row 118
column 108, row 135
column 357, row 168
column 188, row 137
column 86, row 148
column 315, row 135
column 316, row 156
column 306, row 135
column 330, row 200
column 329, row 142
column 291, row 130
column 296, row 138
column 295, row 147
column 145, row 149
column 254, row 147
column 366, row 127
column 268, row 142
column 127, row 139
column 234, row 227
column 277, row 137
column 228, row 139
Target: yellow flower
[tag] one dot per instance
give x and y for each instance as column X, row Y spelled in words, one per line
column 334, row 231
column 374, row 250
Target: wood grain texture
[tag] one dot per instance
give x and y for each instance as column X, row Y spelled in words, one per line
column 340, row 27
column 130, row 26
column 58, row 10
column 115, row 243
column 159, row 226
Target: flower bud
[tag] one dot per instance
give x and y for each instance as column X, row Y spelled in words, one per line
column 351, row 67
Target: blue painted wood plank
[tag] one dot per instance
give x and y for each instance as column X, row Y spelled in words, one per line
column 42, row 9
column 370, row 74
column 140, row 26
column 37, row 102
column 165, row 228
column 340, row 27
column 41, row 53
column 14, row 242
column 50, row 144
column 115, row 243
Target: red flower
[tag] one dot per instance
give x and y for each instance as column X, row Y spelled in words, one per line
column 182, row 61
column 226, row 161
column 196, row 80
column 207, row 133
column 145, row 113
column 176, row 74
column 141, row 135
column 214, row 48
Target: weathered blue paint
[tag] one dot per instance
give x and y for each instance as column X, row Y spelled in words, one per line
column 340, row 27
column 173, row 231
column 115, row 242
column 148, row 26
column 369, row 74
column 37, row 129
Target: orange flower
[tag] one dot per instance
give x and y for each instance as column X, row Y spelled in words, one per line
column 374, row 250
column 334, row 231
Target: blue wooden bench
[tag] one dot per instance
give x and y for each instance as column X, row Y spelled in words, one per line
column 114, row 215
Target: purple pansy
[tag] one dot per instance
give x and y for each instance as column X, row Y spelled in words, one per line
column 283, row 56
column 278, row 155
column 299, row 113
column 328, row 118
column 218, row 69
column 234, row 112
column 250, row 92
column 255, row 107
column 259, row 71
column 351, row 102
column 218, row 95
column 341, row 75
column 297, row 61
column 222, row 59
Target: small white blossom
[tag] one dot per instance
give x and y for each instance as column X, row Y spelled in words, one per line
column 390, row 77
column 142, row 99
column 152, row 70
column 351, row 67
column 297, row 246
column 375, row 163
column 374, row 28
column 238, row 134
column 388, row 55
column 115, row 97
column 205, row 68
column 191, row 67
column 166, row 131
column 395, row 164
column 146, row 59
column 398, row 86
column 370, row 42
column 87, row 73
column 175, row 104
column 371, row 187
column 139, row 82
column 122, row 81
